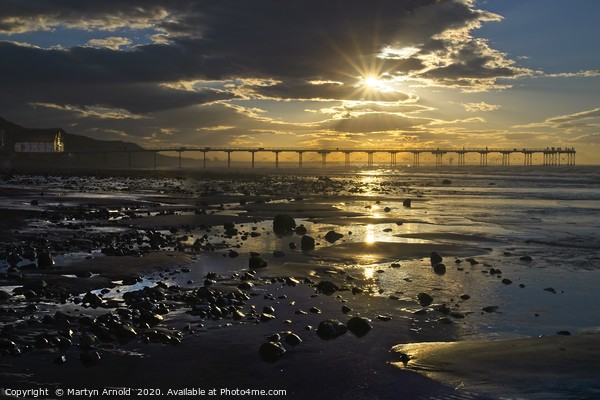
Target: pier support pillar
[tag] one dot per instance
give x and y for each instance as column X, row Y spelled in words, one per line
column 253, row 153
column 347, row 158
column 324, row 159
column 416, row 160
column 370, row 159
column 483, row 159
column 299, row 159
column 204, row 160
column 276, row 159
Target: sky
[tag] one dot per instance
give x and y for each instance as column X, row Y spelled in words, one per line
column 307, row 73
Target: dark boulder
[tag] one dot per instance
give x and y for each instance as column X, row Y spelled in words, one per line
column 435, row 258
column 283, row 224
column 333, row 236
column 407, row 203
column 330, row 329
column 307, row 243
column 271, row 351
column 45, row 260
column 439, row 269
column 256, row 262
column 292, row 339
column 300, row 230
column 424, row 299
column 327, row 287
column 359, row 326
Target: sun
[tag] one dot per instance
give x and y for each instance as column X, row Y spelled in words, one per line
column 374, row 83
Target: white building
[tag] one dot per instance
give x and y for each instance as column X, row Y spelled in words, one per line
column 46, row 141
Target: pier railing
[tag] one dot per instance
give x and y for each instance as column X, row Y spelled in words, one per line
column 550, row 155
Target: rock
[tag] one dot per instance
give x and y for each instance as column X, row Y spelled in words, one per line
column 264, row 317
column 307, row 243
column 271, row 351
column 45, row 260
column 256, row 262
column 237, row 315
column 7, row 344
column 435, row 258
column 314, row 310
column 424, row 299
column 36, row 286
column 327, row 287
column 407, row 203
column 131, row 280
column 83, row 274
column 490, row 309
column 4, row 295
column 125, row 332
column 89, row 358
column 87, row 340
column 60, row 360
column 246, row 285
column 333, row 236
column 292, row 339
column 359, row 326
column 300, row 230
column 276, row 337
column 283, row 224
column 233, row 254
column 13, row 259
column 526, row 258
column 563, row 333
column 291, row 281
column 92, row 299
column 150, row 318
column 465, row 296
column 550, row 289
column 439, row 269
column 506, row 281
column 387, row 209
column 330, row 329
column 278, row 253
column 346, row 309
column 446, row 182
column 444, row 320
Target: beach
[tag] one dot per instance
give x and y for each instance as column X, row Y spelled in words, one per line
column 323, row 283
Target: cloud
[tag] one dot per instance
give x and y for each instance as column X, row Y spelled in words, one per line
column 481, row 106
column 112, row 43
column 592, row 73
column 204, row 57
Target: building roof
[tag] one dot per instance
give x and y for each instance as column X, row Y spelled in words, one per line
column 38, row 135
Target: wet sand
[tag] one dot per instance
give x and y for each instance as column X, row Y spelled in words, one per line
column 547, row 367
column 162, row 279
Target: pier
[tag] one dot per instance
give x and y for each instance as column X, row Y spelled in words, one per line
column 439, row 156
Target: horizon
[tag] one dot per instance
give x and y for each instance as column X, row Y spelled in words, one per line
column 393, row 74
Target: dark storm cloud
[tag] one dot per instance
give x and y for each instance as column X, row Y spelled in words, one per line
column 301, row 39
column 291, row 43
column 295, row 89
